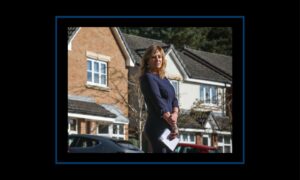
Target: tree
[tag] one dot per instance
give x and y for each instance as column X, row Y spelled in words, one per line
column 137, row 104
column 211, row 39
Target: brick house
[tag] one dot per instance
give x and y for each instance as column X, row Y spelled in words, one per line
column 98, row 61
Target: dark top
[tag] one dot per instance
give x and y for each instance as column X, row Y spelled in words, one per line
column 160, row 97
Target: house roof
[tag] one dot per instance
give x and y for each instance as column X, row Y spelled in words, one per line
column 198, row 119
column 193, row 119
column 125, row 44
column 130, row 61
column 198, row 70
column 138, row 45
column 71, row 32
column 197, row 64
column 114, row 109
column 222, row 62
column 120, row 39
column 223, row 122
column 88, row 108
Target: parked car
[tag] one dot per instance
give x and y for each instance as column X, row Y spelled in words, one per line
column 194, row 148
column 87, row 143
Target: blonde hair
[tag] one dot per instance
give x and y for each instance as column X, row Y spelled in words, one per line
column 148, row 55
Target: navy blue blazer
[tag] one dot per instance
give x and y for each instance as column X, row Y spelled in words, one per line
column 160, row 97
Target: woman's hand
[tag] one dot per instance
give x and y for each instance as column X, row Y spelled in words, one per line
column 166, row 116
column 172, row 136
column 173, row 118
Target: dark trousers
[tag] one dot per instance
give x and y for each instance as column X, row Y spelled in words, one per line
column 156, row 146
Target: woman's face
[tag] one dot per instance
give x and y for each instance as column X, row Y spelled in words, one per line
column 155, row 62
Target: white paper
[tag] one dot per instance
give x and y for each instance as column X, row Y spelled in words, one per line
column 171, row 144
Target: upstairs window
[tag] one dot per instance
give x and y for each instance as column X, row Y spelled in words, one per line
column 97, row 72
column 208, row 94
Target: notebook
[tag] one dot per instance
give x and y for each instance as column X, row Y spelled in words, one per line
column 171, row 144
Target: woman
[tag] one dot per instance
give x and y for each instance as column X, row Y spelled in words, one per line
column 160, row 98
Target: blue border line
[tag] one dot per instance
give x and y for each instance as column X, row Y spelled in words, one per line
column 147, row 17
column 150, row 17
column 55, row 90
column 151, row 163
column 244, row 69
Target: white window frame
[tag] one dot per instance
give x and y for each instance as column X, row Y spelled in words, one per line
column 118, row 135
column 189, row 141
column 100, row 73
column 104, row 134
column 110, row 131
column 208, row 136
column 223, row 144
column 69, row 126
column 210, row 87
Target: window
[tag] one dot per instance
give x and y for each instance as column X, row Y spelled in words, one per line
column 118, row 131
column 86, row 142
column 206, row 139
column 192, row 137
column 97, row 72
column 224, row 143
column 208, row 94
column 227, row 139
column 115, row 129
column 188, row 138
column 220, row 138
column 121, row 129
column 112, row 130
column 185, row 137
column 72, row 127
column 103, row 129
column 176, row 88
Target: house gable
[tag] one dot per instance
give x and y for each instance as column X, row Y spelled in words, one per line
column 173, row 68
column 123, row 46
column 100, row 45
column 72, row 32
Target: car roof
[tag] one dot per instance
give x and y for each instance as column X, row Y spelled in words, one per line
column 91, row 136
column 105, row 138
column 198, row 146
